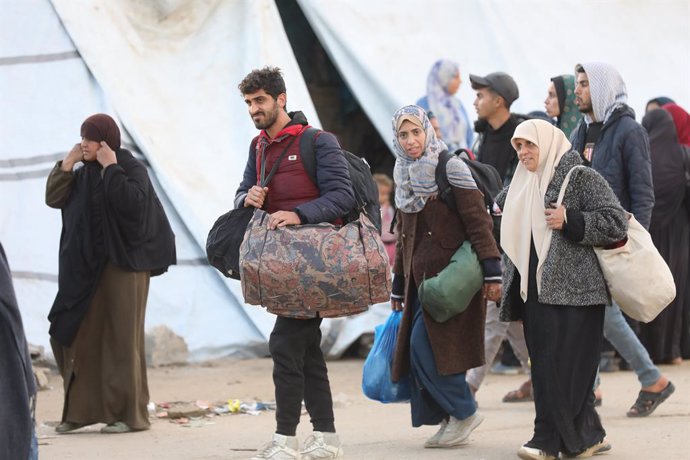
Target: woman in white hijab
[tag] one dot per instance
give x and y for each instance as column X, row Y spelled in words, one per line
column 553, row 283
column 429, row 231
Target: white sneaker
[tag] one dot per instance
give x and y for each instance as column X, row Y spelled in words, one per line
column 458, row 431
column 433, row 441
column 532, row 453
column 322, row 445
column 281, row 447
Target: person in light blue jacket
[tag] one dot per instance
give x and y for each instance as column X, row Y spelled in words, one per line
column 442, row 84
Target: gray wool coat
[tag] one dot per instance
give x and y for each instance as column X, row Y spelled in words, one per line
column 572, row 275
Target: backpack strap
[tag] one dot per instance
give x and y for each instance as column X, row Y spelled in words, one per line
column 444, row 190
column 307, row 152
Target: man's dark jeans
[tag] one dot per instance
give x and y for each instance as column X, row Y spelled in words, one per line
column 299, row 372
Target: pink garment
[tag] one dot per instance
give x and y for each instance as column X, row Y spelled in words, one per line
column 389, row 239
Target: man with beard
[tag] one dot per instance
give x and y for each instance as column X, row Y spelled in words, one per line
column 615, row 145
column 291, row 198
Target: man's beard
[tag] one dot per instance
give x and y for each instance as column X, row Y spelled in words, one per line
column 269, row 119
column 585, row 108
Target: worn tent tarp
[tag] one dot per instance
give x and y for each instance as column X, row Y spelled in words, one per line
column 168, row 70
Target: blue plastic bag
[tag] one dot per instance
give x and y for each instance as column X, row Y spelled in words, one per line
column 376, row 374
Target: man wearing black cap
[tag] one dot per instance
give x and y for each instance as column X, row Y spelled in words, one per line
column 495, row 94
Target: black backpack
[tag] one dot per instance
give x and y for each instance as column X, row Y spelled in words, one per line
column 485, row 176
column 363, row 184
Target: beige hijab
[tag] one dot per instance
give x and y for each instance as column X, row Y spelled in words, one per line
column 523, row 213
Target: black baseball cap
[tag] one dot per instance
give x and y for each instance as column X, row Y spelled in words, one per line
column 500, row 82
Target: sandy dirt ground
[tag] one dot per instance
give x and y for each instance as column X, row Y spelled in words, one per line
column 369, row 430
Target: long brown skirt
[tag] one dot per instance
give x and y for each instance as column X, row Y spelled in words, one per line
column 104, row 370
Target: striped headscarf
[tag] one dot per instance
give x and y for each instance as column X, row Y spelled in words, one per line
column 415, row 180
column 607, row 90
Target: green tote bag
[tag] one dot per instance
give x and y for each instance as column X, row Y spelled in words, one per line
column 451, row 291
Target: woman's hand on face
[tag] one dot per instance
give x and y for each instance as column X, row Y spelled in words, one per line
column 73, row 157
column 492, row 291
column 105, row 155
column 396, row 305
column 555, row 217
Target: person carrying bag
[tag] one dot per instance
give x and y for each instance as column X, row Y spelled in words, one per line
column 287, row 208
column 437, row 354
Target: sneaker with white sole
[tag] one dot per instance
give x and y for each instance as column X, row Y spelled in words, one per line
column 322, row 445
column 532, row 453
column 457, row 431
column 281, row 447
column 596, row 449
column 432, row 442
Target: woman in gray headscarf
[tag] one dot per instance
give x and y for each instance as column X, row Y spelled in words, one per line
column 429, row 233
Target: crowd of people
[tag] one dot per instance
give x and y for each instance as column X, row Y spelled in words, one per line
column 554, row 297
column 570, row 176
column 543, row 288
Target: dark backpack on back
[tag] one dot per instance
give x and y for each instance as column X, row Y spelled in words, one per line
column 485, row 176
column 363, row 184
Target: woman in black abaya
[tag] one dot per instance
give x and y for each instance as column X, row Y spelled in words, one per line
column 670, row 230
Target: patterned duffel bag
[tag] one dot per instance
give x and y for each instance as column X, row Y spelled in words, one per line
column 310, row 270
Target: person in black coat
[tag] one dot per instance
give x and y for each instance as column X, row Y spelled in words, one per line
column 17, row 383
column 115, row 236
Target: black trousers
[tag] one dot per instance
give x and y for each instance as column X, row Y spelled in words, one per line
column 564, row 343
column 299, row 372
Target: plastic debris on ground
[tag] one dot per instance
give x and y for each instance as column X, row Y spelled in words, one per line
column 195, row 414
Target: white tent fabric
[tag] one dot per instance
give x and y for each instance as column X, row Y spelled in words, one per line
column 384, row 50
column 168, row 71
column 47, row 93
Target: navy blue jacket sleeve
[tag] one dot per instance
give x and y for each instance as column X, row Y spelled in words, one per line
column 638, row 170
column 248, row 179
column 333, row 182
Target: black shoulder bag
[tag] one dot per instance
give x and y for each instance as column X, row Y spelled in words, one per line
column 226, row 235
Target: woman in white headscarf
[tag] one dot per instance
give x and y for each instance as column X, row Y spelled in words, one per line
column 429, row 233
column 553, row 283
column 442, row 84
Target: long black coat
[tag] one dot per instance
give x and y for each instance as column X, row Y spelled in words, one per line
column 107, row 214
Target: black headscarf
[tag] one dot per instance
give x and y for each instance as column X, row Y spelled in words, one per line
column 17, row 383
column 668, row 173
